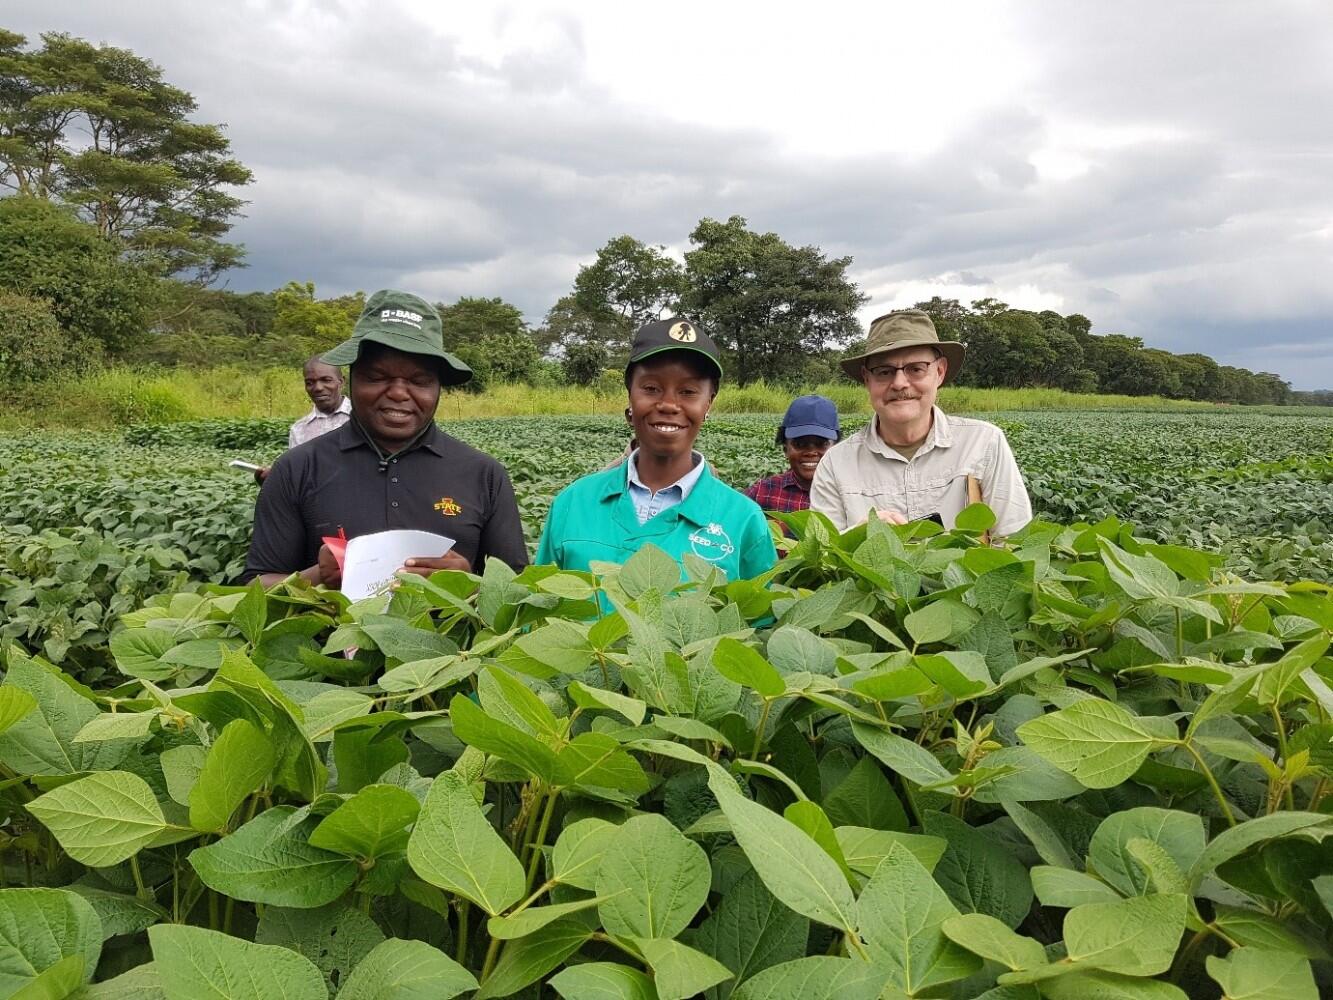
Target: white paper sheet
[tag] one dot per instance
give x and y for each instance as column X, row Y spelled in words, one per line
column 372, row 560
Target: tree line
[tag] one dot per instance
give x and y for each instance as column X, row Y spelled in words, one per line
column 114, row 230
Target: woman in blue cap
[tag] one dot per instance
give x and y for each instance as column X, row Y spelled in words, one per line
column 809, row 429
column 663, row 493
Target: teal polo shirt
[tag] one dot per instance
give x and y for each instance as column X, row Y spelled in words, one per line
column 593, row 520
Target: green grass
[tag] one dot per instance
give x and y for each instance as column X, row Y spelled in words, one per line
column 119, row 396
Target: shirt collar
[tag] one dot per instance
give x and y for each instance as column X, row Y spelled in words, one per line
column 344, row 407
column 788, row 481
column 940, row 436
column 351, row 435
column 685, row 483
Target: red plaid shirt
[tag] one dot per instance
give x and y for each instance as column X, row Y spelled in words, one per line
column 780, row 493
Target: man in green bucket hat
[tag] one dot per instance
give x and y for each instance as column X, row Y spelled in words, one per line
column 389, row 467
column 912, row 461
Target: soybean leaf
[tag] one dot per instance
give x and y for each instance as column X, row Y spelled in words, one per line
column 102, row 819
column 649, row 569
column 987, row 937
column 399, row 969
column 653, row 878
column 335, row 937
column 678, row 970
column 1097, row 985
column 1066, row 888
column 1096, row 741
column 749, row 932
column 900, row 915
column 1179, row 834
column 978, row 873
column 238, row 763
column 15, row 703
column 1253, row 974
column 902, row 755
column 41, row 741
column 1238, row 839
column 534, row 918
column 453, row 846
column 506, row 698
column 794, row 868
column 197, row 964
column 864, row 849
column 816, row 978
column 41, row 927
column 118, row 913
column 1134, row 937
column 528, row 959
column 140, row 983
column 475, row 728
column 584, row 696
column 602, row 981
column 865, row 798
column 269, row 860
column 579, row 850
column 746, row 666
column 595, row 760
column 373, row 822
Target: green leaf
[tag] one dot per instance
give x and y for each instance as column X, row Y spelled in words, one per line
column 1134, row 937
column 269, row 860
column 251, row 612
column 118, row 913
column 509, row 700
column 978, row 873
column 579, row 850
column 140, row 983
column 453, row 846
column 103, row 819
column 138, row 652
column 794, row 868
column 751, row 931
column 238, row 763
column 399, row 969
column 1179, row 834
column 595, row 760
column 118, row 726
column 335, row 937
column 746, row 666
column 197, row 964
column 649, row 569
column 372, row 823
column 1049, row 844
column 678, row 970
column 1277, row 677
column 864, row 849
column 1066, row 888
column 534, row 918
column 1238, row 839
column 934, row 622
column 816, row 978
column 632, row 709
column 58, row 982
column 653, row 878
column 15, row 703
column 407, row 970
column 808, row 816
column 900, row 915
column 39, row 928
column 901, row 755
column 975, row 517
column 1108, row 986
column 1096, row 741
column 362, row 760
column 41, row 741
column 602, row 981
column 1252, row 974
column 865, row 798
column 475, row 728
column 528, row 959
column 987, row 937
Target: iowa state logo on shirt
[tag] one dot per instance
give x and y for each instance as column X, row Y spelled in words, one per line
column 447, row 507
column 713, row 543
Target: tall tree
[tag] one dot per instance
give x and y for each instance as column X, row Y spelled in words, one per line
column 769, row 304
column 630, row 279
column 599, row 333
column 96, row 127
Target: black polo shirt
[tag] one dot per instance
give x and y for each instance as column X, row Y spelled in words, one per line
column 336, row 481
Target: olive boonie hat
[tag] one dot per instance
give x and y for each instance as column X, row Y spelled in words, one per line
column 407, row 323
column 905, row 328
column 674, row 334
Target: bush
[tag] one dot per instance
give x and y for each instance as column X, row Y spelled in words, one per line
column 33, row 347
column 584, row 363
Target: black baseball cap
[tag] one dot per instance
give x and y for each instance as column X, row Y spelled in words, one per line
column 673, row 334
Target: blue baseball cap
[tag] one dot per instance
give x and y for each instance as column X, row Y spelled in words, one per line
column 810, row 416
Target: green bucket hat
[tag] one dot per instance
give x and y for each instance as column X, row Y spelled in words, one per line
column 407, row 323
column 905, row 328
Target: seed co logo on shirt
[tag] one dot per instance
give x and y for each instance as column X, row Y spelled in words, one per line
column 447, row 507
column 682, row 332
column 402, row 316
column 712, row 544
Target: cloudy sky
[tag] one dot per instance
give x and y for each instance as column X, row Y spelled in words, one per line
column 1164, row 168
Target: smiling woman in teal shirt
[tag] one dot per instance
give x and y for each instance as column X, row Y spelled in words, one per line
column 664, row 493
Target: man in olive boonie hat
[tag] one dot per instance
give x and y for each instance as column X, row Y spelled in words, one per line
column 389, row 466
column 912, row 461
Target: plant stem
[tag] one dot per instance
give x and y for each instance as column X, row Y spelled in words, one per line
column 212, row 910
column 536, row 895
column 854, row 945
column 1180, row 636
column 759, row 729
column 536, row 845
column 492, row 953
column 1217, row 789
column 464, row 912
column 1282, row 749
column 141, row 890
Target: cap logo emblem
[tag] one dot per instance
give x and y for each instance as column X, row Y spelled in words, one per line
column 682, row 332
column 401, row 316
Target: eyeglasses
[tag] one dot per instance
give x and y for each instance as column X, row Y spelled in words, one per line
column 914, row 370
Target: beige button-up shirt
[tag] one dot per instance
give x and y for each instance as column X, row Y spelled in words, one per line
column 862, row 473
column 314, row 423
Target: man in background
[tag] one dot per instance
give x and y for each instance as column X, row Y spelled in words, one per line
column 324, row 386
column 912, row 461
